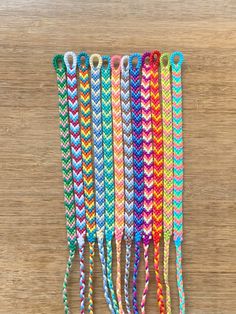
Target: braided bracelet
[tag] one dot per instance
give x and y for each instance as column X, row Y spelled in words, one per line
column 158, row 171
column 76, row 165
column 168, row 167
column 108, row 170
column 118, row 167
column 148, row 169
column 138, row 166
column 99, row 166
column 86, row 143
column 66, row 170
column 178, row 170
column 128, row 171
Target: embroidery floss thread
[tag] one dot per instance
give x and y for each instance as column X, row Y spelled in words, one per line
column 168, row 168
column 138, row 166
column 99, row 167
column 128, row 170
column 87, row 158
column 108, row 170
column 148, row 168
column 178, row 170
column 66, row 170
column 76, row 165
column 118, row 169
column 158, row 171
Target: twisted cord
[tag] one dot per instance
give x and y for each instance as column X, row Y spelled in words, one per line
column 128, row 170
column 178, row 170
column 138, row 166
column 99, row 167
column 158, row 171
column 108, row 170
column 168, row 168
column 148, row 169
column 76, row 165
column 126, row 279
column 66, row 170
column 118, row 168
column 86, row 143
column 90, row 280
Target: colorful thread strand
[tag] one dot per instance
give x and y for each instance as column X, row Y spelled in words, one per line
column 108, row 170
column 128, row 171
column 148, row 168
column 99, row 167
column 118, row 169
column 158, row 171
column 87, row 158
column 138, row 166
column 168, row 168
column 66, row 170
column 178, row 170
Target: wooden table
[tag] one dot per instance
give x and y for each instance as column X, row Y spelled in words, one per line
column 32, row 226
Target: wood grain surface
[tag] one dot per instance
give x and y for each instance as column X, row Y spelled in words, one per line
column 33, row 248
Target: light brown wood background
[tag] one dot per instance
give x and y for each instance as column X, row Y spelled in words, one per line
column 33, row 249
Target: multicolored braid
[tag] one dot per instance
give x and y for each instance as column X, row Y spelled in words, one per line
column 108, row 170
column 148, row 168
column 66, row 170
column 76, row 165
column 128, row 170
column 158, row 171
column 99, row 166
column 138, row 166
column 86, row 142
column 118, row 167
column 168, row 167
column 178, row 170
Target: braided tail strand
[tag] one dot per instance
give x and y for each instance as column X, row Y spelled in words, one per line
column 138, row 166
column 108, row 170
column 86, row 143
column 99, row 167
column 158, row 171
column 178, row 170
column 76, row 165
column 148, row 168
column 129, row 172
column 168, row 168
column 119, row 169
column 66, row 170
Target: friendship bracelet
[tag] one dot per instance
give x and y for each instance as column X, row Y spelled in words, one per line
column 178, row 170
column 119, row 169
column 108, row 170
column 138, row 166
column 158, row 171
column 66, row 170
column 168, row 168
column 99, row 166
column 128, row 171
column 86, row 143
column 148, row 168
column 76, row 165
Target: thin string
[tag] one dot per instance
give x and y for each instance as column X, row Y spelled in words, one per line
column 168, row 168
column 99, row 167
column 66, row 170
column 138, row 166
column 86, row 143
column 108, row 170
column 128, row 171
column 118, row 169
column 158, row 172
column 148, row 168
column 76, row 165
column 178, row 170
